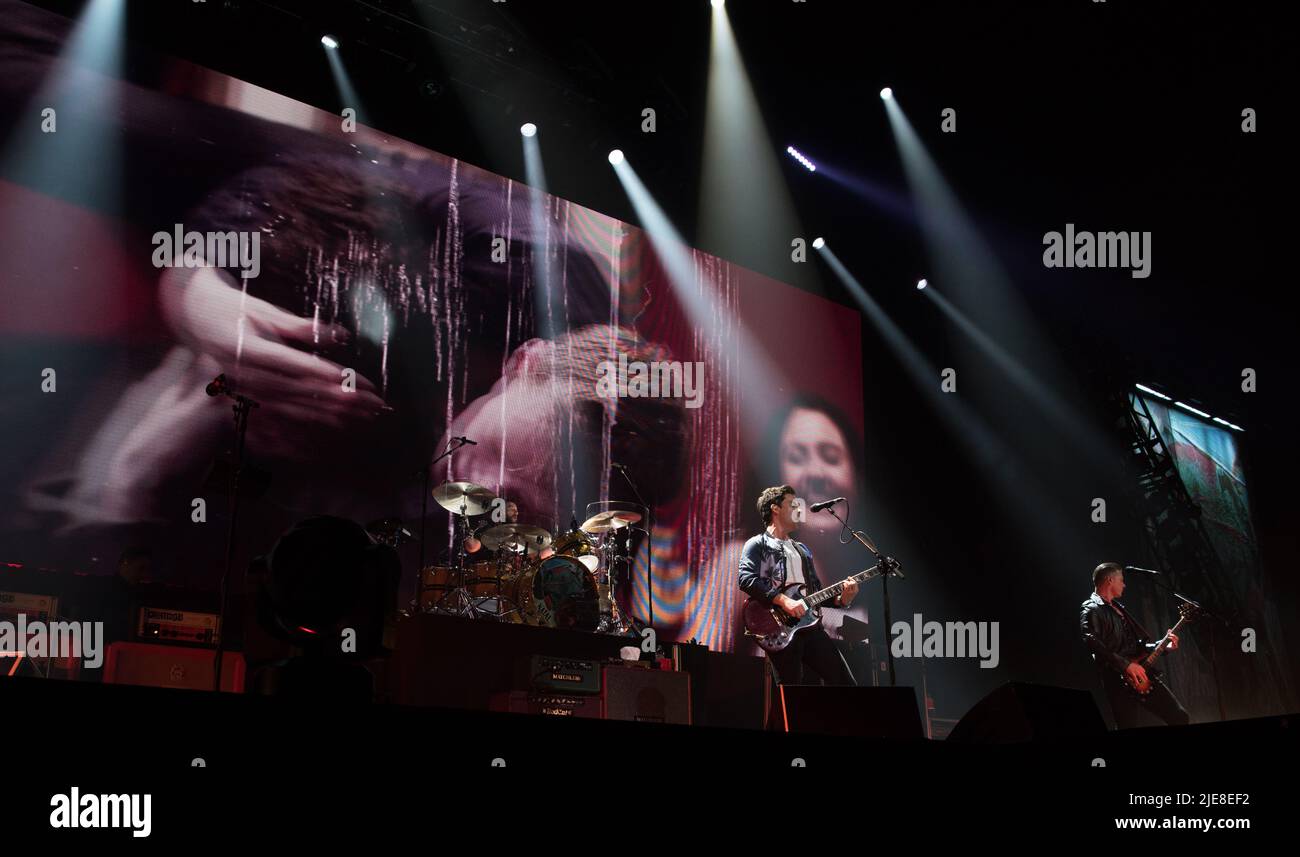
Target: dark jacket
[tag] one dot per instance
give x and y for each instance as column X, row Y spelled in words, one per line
column 1112, row 641
column 762, row 567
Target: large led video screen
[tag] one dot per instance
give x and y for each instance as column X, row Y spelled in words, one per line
column 375, row 299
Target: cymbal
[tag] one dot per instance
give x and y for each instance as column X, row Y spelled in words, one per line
column 463, row 498
column 515, row 537
column 603, row 522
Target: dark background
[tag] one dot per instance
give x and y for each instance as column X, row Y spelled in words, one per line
column 1115, row 115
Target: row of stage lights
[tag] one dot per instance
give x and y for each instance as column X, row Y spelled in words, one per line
column 333, row 43
column 1187, row 407
column 529, row 129
column 616, row 157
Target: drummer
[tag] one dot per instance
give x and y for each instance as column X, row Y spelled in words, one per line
column 473, row 545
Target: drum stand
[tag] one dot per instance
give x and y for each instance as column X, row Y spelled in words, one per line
column 614, row 622
column 453, row 445
column 499, row 568
column 462, row 600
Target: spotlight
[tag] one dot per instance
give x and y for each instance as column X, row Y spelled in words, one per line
column 616, row 156
column 921, row 284
column 886, row 93
column 329, row 42
column 819, row 243
column 528, row 129
column 717, row 4
column 798, row 156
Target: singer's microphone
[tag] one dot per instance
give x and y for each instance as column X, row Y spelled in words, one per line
column 466, row 441
column 825, row 504
column 216, row 386
column 1142, row 570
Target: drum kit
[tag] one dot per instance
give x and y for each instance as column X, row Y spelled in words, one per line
column 521, row 573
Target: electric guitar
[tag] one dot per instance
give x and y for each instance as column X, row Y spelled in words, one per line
column 775, row 628
column 1186, row 613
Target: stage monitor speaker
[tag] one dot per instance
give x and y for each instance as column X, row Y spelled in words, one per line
column 862, row 712
column 171, row 666
column 1019, row 711
column 726, row 689
column 650, row 696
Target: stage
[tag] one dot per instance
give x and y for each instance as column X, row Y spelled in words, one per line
column 219, row 764
column 651, row 399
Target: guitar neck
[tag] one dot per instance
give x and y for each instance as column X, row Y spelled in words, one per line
column 1160, row 647
column 823, row 595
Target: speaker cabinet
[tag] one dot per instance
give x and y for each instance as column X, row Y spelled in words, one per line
column 171, row 666
column 862, row 712
column 651, row 696
column 1018, row 711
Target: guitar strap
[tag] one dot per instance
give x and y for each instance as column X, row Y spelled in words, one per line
column 1142, row 632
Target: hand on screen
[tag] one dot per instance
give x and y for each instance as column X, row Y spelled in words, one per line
column 297, row 391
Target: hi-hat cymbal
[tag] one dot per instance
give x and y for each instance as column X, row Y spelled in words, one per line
column 603, row 522
column 463, row 498
column 515, row 537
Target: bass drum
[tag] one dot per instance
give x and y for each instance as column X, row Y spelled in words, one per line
column 558, row 592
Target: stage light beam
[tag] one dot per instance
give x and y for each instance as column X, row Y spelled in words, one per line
column 988, row 309
column 348, row 96
column 701, row 283
column 745, row 211
column 548, row 303
column 1024, row 490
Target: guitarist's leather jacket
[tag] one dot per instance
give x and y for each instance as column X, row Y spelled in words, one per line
column 762, row 567
column 1112, row 641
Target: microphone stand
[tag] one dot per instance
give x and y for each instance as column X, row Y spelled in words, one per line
column 1214, row 638
column 888, row 568
column 243, row 405
column 649, row 545
column 424, row 514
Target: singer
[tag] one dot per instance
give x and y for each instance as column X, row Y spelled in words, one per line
column 770, row 561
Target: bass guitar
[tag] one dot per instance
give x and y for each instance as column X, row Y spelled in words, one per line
column 1186, row 613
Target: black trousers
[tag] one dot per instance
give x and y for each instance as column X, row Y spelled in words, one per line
column 812, row 650
column 1127, row 706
